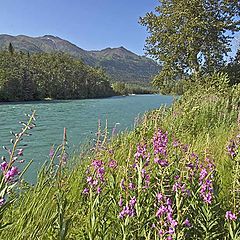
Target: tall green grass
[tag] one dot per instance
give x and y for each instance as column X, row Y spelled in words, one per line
column 205, row 118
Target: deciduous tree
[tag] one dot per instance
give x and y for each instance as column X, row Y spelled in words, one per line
column 190, row 37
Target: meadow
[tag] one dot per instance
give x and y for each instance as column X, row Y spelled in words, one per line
column 175, row 176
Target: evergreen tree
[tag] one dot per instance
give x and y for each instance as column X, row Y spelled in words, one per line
column 49, row 75
column 11, row 48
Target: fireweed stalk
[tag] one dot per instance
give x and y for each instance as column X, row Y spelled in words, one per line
column 232, row 217
column 161, row 190
column 10, row 173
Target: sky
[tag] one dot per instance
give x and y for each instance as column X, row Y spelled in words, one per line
column 90, row 24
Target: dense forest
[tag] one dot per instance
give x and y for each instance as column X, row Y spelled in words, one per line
column 49, row 75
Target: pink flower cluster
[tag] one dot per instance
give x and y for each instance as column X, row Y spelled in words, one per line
column 95, row 178
column 160, row 141
column 165, row 216
column 129, row 209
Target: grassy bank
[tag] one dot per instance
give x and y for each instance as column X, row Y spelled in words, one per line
column 176, row 176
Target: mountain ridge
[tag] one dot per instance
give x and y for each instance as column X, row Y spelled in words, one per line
column 120, row 63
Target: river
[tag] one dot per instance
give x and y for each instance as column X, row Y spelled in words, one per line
column 80, row 117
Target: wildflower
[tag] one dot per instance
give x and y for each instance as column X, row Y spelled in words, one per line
column 231, row 148
column 4, row 166
column 147, row 181
column 90, row 180
column 64, row 158
column 120, row 203
column 97, row 163
column 122, row 185
column 133, row 201
column 20, row 152
column 203, row 174
column 85, row 190
column 99, row 190
column 160, row 141
column 51, row 152
column 206, row 185
column 187, row 223
column 230, row 216
column 131, row 186
column 173, row 223
column 112, row 164
column 2, row 201
column 162, row 209
column 11, row 173
column 175, row 143
column 171, row 230
column 128, row 210
column 141, row 152
column 159, row 197
column 161, row 232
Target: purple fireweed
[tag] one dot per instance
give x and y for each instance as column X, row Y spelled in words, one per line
column 128, row 210
column 159, row 197
column 85, row 190
column 230, row 216
column 11, row 173
column 4, row 166
column 161, row 210
column 112, row 164
column 20, row 152
column 179, row 186
column 160, row 141
column 122, row 185
column 99, row 190
column 187, row 223
column 120, row 203
column 175, row 143
column 97, row 163
column 232, row 148
column 133, row 201
column 2, row 201
column 164, row 214
column 131, row 186
column 205, row 181
column 51, row 152
column 141, row 152
column 95, row 176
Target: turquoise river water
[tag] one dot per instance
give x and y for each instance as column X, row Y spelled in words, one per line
column 80, row 117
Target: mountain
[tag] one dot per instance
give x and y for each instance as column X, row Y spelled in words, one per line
column 120, row 63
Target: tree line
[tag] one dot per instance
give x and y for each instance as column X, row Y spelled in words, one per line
column 25, row 76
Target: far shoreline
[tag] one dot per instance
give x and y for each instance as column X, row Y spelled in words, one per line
column 51, row 100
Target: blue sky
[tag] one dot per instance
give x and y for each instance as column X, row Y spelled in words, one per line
column 90, row 24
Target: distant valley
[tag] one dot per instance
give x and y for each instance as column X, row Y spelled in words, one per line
column 120, row 63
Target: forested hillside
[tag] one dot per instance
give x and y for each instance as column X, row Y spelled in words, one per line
column 119, row 63
column 49, row 75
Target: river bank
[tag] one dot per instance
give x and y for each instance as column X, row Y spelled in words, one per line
column 80, row 117
column 180, row 159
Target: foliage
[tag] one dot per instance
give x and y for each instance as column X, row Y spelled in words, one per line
column 122, row 88
column 56, row 76
column 175, row 176
column 190, row 37
column 233, row 69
